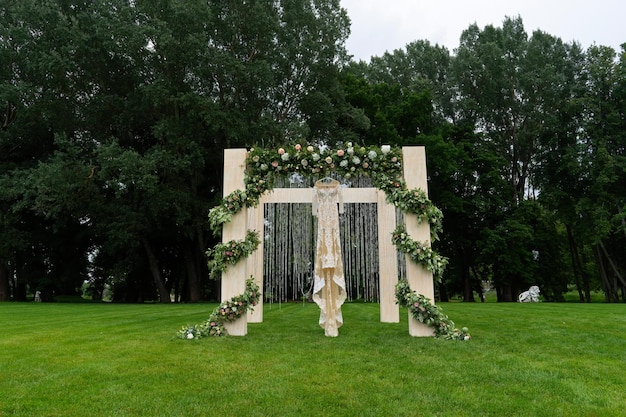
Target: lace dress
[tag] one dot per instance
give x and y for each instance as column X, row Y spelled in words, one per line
column 329, row 288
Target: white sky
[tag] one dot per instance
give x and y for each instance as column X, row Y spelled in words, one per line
column 384, row 25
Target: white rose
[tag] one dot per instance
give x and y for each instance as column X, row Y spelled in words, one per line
column 385, row 149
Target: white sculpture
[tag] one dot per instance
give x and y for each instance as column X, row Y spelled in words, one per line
column 530, row 296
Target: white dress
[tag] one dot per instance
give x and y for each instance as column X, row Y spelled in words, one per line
column 329, row 288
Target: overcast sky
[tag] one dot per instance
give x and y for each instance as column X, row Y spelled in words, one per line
column 384, row 25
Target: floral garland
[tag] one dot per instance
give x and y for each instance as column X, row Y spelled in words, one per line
column 424, row 311
column 264, row 165
column 419, row 252
column 383, row 165
column 229, row 253
column 229, row 206
column 228, row 311
column 414, row 202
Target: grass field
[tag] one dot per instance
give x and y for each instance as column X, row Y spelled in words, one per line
column 64, row 359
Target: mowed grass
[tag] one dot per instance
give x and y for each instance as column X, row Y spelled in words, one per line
column 546, row 359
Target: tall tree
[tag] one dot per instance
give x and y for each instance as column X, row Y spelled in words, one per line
column 511, row 88
column 134, row 102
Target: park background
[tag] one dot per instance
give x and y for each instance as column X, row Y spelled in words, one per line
column 116, row 114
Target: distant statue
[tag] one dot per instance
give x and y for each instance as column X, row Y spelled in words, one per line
column 530, row 296
column 38, row 296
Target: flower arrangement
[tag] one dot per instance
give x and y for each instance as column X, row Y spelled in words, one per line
column 383, row 165
column 229, row 206
column 419, row 252
column 264, row 164
column 228, row 311
column 422, row 310
column 229, row 253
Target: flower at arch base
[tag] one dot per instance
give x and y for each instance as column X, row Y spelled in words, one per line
column 422, row 310
column 230, row 310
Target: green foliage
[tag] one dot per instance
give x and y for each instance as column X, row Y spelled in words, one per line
column 122, row 111
column 229, row 253
column 114, row 116
column 422, row 310
column 419, row 252
column 229, row 311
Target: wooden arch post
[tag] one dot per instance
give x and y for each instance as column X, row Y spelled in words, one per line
column 234, row 278
column 420, row 280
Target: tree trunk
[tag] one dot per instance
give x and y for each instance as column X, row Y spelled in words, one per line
column 586, row 284
column 479, row 284
column 5, row 289
column 466, row 278
column 575, row 265
column 606, row 285
column 613, row 266
column 19, row 284
column 164, row 295
column 193, row 277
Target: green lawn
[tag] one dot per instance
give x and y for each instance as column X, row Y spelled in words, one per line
column 543, row 359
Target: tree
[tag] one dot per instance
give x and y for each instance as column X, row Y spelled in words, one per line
column 129, row 106
column 511, row 88
column 603, row 206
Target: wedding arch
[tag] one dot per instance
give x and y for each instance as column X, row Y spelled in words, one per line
column 399, row 177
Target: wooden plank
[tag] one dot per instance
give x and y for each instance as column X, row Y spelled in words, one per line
column 234, row 278
column 387, row 261
column 419, row 278
column 254, row 263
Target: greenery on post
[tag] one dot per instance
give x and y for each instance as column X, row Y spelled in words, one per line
column 424, row 311
column 228, row 311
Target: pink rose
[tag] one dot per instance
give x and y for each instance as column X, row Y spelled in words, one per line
column 298, row 147
column 340, row 153
column 281, row 151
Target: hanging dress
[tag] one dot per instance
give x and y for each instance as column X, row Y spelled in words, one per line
column 329, row 288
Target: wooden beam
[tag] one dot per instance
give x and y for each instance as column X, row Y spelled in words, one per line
column 234, row 278
column 419, row 278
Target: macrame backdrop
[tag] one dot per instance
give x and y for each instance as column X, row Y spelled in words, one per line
column 289, row 242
